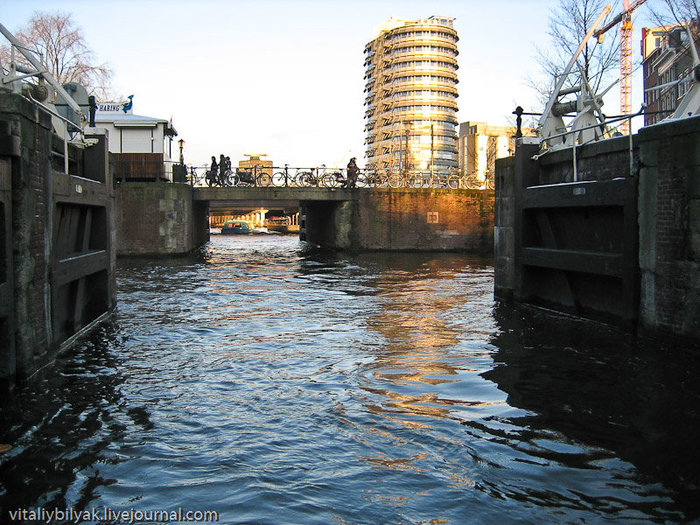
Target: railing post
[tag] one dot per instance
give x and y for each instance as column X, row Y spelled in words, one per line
column 66, row 164
column 631, row 145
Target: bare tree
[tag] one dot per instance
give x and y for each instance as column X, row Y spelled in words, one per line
column 668, row 12
column 61, row 47
column 569, row 23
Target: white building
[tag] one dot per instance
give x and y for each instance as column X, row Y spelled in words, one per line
column 143, row 146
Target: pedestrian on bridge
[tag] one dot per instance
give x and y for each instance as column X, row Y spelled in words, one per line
column 352, row 170
column 213, row 175
column 222, row 170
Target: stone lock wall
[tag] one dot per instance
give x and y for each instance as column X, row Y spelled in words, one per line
column 158, row 219
column 661, row 278
column 669, row 226
column 56, row 257
column 404, row 220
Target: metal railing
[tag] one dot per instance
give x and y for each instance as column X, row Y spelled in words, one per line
column 323, row 177
column 605, row 130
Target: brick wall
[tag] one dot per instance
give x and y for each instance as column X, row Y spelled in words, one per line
column 504, row 228
column 155, row 219
column 670, row 227
column 42, row 313
column 410, row 220
column 31, row 170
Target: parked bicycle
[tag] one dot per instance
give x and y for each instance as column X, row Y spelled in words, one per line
column 194, row 178
column 332, row 179
column 472, row 181
column 318, row 177
column 283, row 178
column 372, row 179
column 257, row 177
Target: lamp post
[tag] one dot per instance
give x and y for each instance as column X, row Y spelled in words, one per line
column 181, row 143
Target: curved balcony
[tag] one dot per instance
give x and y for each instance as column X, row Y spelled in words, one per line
column 427, row 70
column 417, row 85
column 434, row 30
column 424, row 55
column 434, row 115
column 420, row 101
column 427, row 41
column 418, row 58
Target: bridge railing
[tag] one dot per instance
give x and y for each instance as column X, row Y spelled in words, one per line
column 324, row 177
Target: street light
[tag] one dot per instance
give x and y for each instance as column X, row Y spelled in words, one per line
column 181, row 143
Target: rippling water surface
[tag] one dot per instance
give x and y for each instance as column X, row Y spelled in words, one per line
column 275, row 383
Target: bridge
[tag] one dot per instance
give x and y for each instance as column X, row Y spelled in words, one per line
column 225, row 202
column 362, row 218
column 243, row 197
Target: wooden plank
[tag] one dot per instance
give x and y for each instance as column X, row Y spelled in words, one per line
column 595, row 193
column 73, row 268
column 597, row 263
column 560, row 279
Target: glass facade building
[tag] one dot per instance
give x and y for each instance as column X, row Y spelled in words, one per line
column 411, row 95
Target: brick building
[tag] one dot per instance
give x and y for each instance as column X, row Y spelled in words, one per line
column 666, row 62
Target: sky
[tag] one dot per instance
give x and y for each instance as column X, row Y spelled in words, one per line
column 285, row 78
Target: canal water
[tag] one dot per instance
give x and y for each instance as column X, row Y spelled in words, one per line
column 273, row 382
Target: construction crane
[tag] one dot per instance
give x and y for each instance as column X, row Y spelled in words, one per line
column 625, row 21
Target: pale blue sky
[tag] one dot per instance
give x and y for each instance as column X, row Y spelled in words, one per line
column 285, row 78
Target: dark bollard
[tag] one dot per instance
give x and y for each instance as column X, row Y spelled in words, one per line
column 93, row 108
column 518, row 121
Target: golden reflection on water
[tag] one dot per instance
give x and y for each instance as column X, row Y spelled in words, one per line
column 420, row 326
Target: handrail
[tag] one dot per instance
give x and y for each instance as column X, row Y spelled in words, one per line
column 336, row 177
column 618, row 118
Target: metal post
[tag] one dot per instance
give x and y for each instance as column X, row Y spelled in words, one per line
column 66, row 168
column 431, row 154
column 631, row 145
column 518, row 121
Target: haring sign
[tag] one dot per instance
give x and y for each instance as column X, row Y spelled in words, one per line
column 116, row 107
column 109, row 107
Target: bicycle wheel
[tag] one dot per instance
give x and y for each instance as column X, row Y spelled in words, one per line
column 305, row 178
column 471, row 182
column 280, row 179
column 395, row 181
column 332, row 180
column 414, row 181
column 453, row 182
column 365, row 180
column 264, row 180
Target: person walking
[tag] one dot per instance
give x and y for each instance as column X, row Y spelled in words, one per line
column 222, row 170
column 213, row 172
column 352, row 171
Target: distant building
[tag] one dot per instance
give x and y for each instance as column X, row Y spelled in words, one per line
column 253, row 160
column 411, row 95
column 142, row 146
column 666, row 58
column 480, row 144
